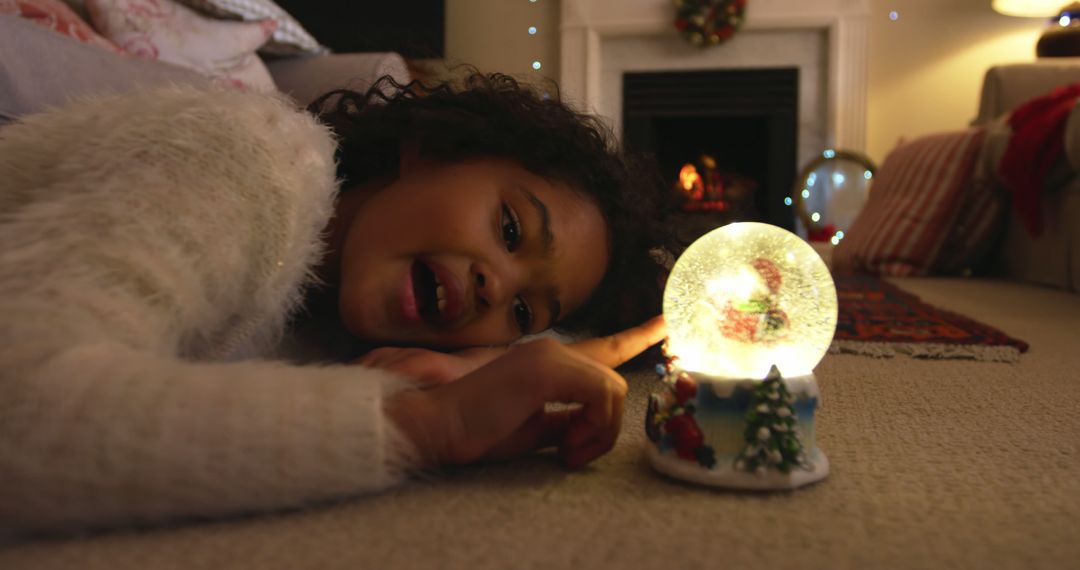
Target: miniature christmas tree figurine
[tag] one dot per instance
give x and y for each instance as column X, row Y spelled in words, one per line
column 771, row 434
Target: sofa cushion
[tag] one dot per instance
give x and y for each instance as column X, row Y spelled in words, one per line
column 58, row 17
column 289, row 39
column 982, row 214
column 167, row 31
column 306, row 78
column 1037, row 145
column 1005, row 87
column 980, row 219
column 912, row 206
column 1053, row 257
column 41, row 69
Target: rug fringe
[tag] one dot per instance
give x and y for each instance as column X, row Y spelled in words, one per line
column 926, row 350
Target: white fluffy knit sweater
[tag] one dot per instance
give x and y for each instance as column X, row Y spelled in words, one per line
column 145, row 240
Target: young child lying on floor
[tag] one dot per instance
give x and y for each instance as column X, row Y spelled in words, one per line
column 179, row 268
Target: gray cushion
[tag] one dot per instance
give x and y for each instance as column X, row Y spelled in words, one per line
column 40, row 68
column 306, row 78
column 1053, row 258
column 1007, row 86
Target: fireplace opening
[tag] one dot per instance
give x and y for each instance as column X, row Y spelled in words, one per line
column 725, row 141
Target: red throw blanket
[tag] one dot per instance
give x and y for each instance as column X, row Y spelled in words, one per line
column 1037, row 143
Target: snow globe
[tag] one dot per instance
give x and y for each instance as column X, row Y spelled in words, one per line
column 751, row 309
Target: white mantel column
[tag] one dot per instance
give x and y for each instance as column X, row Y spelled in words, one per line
column 848, row 82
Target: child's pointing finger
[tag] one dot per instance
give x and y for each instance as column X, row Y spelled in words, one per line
column 613, row 350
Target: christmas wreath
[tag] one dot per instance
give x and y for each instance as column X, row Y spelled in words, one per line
column 708, row 22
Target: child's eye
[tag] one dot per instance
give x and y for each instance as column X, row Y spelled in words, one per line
column 511, row 229
column 522, row 315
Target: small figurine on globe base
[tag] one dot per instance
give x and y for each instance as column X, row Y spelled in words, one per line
column 751, row 309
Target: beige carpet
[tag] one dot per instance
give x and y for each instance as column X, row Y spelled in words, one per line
column 935, row 464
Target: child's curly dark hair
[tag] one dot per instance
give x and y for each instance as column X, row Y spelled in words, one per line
column 496, row 116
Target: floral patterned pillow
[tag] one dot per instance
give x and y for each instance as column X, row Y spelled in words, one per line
column 167, row 31
column 57, row 16
column 290, row 38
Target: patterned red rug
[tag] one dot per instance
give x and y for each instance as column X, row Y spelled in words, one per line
column 879, row 319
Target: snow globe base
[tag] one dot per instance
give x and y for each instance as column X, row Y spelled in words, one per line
column 737, row 434
column 727, row 477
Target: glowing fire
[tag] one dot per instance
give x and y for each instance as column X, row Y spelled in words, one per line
column 691, row 182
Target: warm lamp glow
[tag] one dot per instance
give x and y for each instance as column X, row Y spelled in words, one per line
column 745, row 297
column 1029, row 8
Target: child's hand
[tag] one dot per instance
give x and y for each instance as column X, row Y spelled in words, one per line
column 428, row 367
column 616, row 349
column 498, row 411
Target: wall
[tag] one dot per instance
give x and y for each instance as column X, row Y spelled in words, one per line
column 926, row 68
column 493, row 35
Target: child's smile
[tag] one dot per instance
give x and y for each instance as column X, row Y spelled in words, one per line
column 433, row 294
column 473, row 253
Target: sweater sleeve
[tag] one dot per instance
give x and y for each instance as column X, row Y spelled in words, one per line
column 133, row 230
column 100, row 434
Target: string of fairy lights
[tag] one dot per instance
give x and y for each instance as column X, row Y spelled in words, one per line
column 832, row 180
column 536, row 64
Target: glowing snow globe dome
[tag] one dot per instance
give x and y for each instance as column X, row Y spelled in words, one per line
column 745, row 297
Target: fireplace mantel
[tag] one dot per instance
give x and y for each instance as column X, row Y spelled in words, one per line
column 586, row 24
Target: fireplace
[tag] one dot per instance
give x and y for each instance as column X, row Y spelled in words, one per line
column 725, row 140
column 608, row 43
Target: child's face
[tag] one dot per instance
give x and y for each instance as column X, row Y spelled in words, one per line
column 467, row 254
